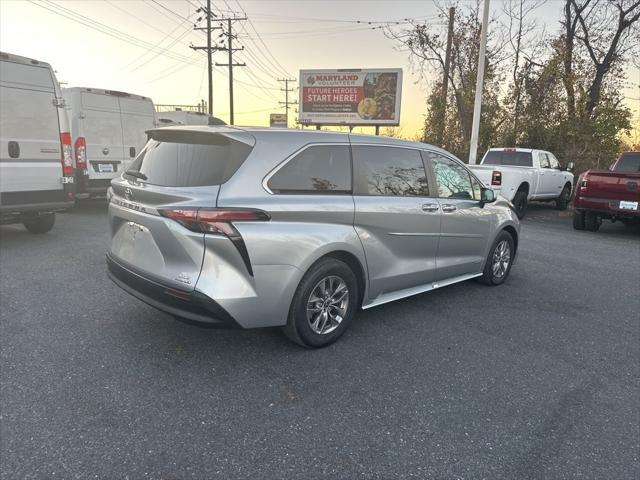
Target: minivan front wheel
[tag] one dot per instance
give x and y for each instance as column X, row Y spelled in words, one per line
column 40, row 224
column 499, row 260
column 324, row 304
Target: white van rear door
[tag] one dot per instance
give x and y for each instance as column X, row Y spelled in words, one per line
column 102, row 130
column 137, row 117
column 30, row 157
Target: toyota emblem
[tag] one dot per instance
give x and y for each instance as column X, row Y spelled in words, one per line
column 128, row 194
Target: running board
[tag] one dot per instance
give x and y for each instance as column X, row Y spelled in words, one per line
column 409, row 292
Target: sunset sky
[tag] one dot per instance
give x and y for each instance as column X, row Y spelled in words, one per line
column 108, row 47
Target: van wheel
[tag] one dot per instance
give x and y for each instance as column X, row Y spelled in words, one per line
column 578, row 220
column 562, row 202
column 520, row 202
column 499, row 261
column 324, row 304
column 41, row 223
column 592, row 221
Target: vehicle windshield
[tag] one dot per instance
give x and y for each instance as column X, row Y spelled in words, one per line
column 510, row 157
column 629, row 162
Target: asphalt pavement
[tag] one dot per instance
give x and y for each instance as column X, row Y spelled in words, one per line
column 535, row 379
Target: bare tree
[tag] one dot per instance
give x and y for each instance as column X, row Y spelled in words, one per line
column 608, row 30
column 520, row 35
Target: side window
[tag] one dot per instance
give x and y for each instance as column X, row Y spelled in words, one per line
column 389, row 171
column 476, row 189
column 452, row 178
column 544, row 160
column 317, row 169
column 553, row 162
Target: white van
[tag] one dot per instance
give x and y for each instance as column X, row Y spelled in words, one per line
column 186, row 117
column 36, row 164
column 108, row 131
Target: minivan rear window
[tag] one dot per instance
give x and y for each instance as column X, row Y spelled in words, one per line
column 515, row 159
column 177, row 161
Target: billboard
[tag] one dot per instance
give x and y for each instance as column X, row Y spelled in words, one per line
column 278, row 120
column 350, row 96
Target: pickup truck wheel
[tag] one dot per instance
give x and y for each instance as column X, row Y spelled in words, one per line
column 562, row 202
column 498, row 264
column 520, row 202
column 40, row 224
column 578, row 220
column 592, row 221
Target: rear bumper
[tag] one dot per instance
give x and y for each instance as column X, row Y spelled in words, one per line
column 192, row 307
column 18, row 210
column 605, row 207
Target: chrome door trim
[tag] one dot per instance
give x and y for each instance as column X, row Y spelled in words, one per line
column 414, row 234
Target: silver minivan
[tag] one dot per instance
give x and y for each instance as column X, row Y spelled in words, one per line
column 261, row 227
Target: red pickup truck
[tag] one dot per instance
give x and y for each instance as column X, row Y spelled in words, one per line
column 612, row 194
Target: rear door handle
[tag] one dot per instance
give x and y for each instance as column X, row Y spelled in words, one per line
column 449, row 208
column 430, row 207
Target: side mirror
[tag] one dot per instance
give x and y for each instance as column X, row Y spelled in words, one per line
column 487, row 195
column 570, row 166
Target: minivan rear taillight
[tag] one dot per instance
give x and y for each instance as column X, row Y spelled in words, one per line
column 67, row 155
column 218, row 221
column 80, row 148
column 214, row 220
column 496, row 178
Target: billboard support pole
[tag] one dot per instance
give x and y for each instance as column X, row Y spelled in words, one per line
column 318, row 127
column 377, row 129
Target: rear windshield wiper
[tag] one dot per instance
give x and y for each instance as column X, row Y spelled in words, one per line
column 136, row 173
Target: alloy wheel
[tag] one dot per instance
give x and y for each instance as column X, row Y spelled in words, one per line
column 327, row 304
column 501, row 259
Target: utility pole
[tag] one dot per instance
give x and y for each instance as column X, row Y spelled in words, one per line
column 229, row 48
column 445, row 80
column 477, row 107
column 208, row 48
column 286, row 91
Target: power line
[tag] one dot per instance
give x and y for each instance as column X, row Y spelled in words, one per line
column 105, row 29
column 276, row 63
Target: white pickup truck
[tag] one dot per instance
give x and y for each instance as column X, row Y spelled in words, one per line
column 523, row 174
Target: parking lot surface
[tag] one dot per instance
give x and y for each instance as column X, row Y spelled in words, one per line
column 538, row 378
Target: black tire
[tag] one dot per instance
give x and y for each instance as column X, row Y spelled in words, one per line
column 520, row 202
column 299, row 326
column 489, row 275
column 578, row 220
column 592, row 222
column 562, row 202
column 40, row 224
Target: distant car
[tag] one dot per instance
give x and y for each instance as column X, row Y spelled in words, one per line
column 612, row 194
column 186, row 117
column 108, row 131
column 36, row 165
column 255, row 227
column 524, row 174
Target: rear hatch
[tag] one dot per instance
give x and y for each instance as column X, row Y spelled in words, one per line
column 153, row 208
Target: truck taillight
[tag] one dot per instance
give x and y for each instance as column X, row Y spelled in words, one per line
column 80, row 148
column 496, row 178
column 67, row 155
column 214, row 220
